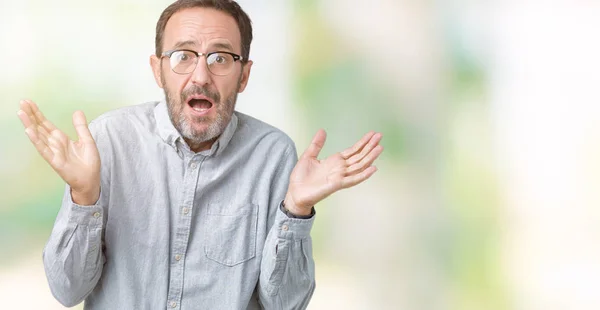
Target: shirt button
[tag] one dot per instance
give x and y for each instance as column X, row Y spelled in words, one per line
column 173, row 304
column 177, row 257
column 186, row 211
column 97, row 214
column 193, row 165
column 285, row 228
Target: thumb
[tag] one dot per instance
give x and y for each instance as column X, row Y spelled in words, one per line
column 316, row 145
column 80, row 123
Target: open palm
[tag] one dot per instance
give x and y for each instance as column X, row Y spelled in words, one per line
column 76, row 162
column 312, row 179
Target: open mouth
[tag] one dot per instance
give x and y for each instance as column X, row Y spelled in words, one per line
column 200, row 105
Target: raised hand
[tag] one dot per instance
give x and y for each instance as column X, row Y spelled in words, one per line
column 76, row 162
column 312, row 179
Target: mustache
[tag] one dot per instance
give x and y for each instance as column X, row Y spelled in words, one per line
column 197, row 90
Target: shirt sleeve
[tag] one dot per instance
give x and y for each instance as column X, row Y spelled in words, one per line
column 73, row 256
column 287, row 273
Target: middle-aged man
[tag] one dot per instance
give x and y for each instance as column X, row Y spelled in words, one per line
column 186, row 203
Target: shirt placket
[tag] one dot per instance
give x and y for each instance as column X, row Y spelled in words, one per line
column 182, row 234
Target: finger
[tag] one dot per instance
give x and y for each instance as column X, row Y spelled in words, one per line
column 34, row 129
column 26, row 107
column 24, row 118
column 54, row 143
column 56, row 162
column 28, row 118
column 366, row 162
column 42, row 130
column 373, row 142
column 31, row 129
column 42, row 135
column 60, row 138
column 41, row 146
column 356, row 179
column 80, row 123
column 41, row 118
column 316, row 145
column 58, row 147
column 347, row 153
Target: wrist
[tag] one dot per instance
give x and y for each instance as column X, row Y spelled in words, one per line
column 85, row 197
column 294, row 209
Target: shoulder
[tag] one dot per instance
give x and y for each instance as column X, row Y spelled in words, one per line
column 124, row 119
column 260, row 134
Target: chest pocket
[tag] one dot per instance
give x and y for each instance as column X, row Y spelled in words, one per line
column 230, row 233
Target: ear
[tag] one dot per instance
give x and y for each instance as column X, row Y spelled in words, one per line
column 156, row 70
column 245, row 75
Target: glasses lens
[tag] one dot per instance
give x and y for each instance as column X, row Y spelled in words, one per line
column 183, row 62
column 220, row 63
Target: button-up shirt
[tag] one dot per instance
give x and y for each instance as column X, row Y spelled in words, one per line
column 177, row 229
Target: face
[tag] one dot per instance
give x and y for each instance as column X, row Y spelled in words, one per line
column 201, row 103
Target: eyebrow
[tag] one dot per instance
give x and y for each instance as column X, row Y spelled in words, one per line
column 216, row 46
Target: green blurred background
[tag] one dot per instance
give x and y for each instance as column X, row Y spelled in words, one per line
column 487, row 192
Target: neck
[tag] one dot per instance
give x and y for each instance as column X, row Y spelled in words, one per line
column 202, row 146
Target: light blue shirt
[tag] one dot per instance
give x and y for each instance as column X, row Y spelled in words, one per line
column 176, row 229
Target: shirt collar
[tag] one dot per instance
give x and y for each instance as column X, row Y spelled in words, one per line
column 171, row 136
column 165, row 127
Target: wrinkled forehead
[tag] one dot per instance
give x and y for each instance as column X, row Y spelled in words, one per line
column 202, row 29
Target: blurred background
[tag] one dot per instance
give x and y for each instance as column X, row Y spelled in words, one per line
column 487, row 192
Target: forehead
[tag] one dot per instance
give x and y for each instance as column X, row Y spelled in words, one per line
column 204, row 27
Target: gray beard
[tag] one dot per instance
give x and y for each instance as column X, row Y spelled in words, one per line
column 215, row 128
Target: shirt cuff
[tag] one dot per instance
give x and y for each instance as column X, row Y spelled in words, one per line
column 293, row 228
column 85, row 215
column 291, row 215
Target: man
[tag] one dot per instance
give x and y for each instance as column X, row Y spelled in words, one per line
column 186, row 203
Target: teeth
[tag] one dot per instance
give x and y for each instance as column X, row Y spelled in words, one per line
column 199, row 109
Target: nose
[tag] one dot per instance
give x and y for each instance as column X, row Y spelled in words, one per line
column 201, row 76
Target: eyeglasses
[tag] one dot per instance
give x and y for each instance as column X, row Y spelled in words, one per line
column 185, row 61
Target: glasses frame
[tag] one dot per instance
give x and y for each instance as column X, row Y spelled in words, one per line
column 168, row 54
